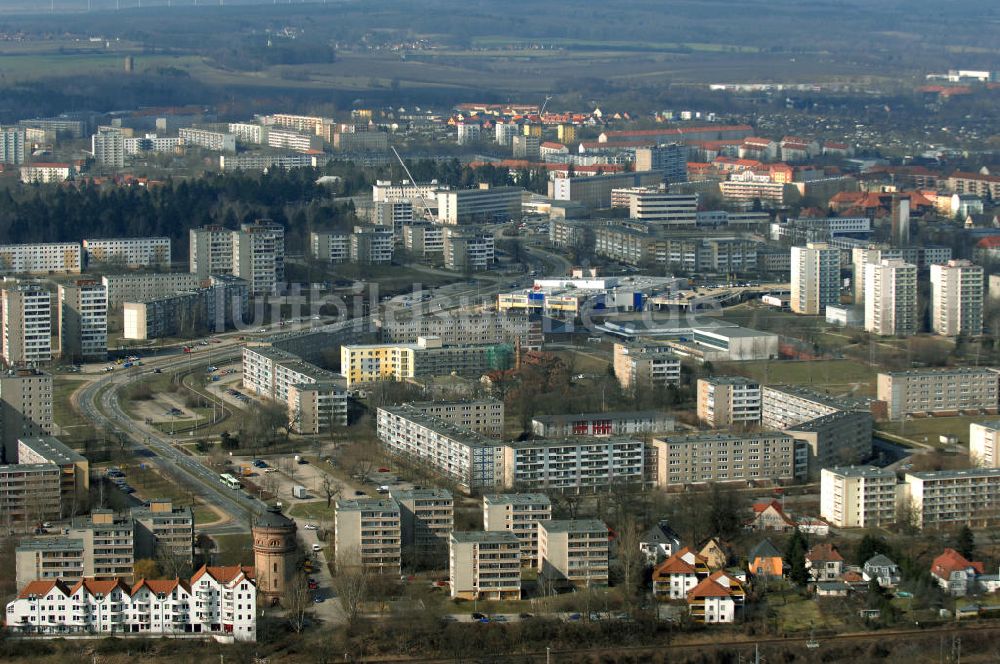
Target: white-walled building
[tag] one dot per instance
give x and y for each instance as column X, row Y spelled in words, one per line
column 217, row 601
column 368, row 534
column 41, row 172
column 485, row 565
column 725, row 401
column 210, row 140
column 484, row 204
column 957, row 299
column 954, row 497
column 41, row 258
column 573, row 552
column 132, row 252
column 815, row 278
column 858, row 496
column 143, row 286
column 984, row 444
column 574, row 463
column 519, row 513
column 944, row 390
column 891, row 298
column 26, row 316
column 83, row 321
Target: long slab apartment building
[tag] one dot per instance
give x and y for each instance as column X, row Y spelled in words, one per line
column 476, row 462
column 316, row 399
column 950, row 390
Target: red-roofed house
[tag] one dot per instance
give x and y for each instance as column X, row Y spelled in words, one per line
column 716, row 599
column 678, row 574
column 769, row 515
column 954, row 573
column 219, row 601
column 824, row 563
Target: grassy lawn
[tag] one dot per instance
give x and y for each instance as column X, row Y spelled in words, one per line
column 584, row 362
column 799, row 614
column 928, row 429
column 233, row 549
column 313, row 510
column 837, row 376
column 150, row 485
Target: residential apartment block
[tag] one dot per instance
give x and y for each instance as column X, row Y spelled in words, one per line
column 840, row 438
column 891, row 298
column 646, row 365
column 984, row 444
column 783, row 406
column 518, row 513
column 858, row 496
column 210, row 140
column 255, row 252
column 219, row 601
column 316, row 399
column 957, row 299
column 573, row 463
column 83, row 321
column 485, row 204
column 723, row 457
column 74, row 483
column 815, row 278
column 602, row 424
column 485, row 416
column 368, row 534
column 367, row 363
column 485, row 565
column 947, row 390
column 427, row 518
column 30, row 493
column 725, row 401
column 954, row 497
column 25, row 407
column 26, row 317
column 213, row 309
column 131, row 252
column 471, row 460
column 573, row 552
column 468, row 252
column 163, row 530
column 144, row 286
column 662, row 208
column 13, row 149
column 46, row 172
column 461, row 329
column 41, row 258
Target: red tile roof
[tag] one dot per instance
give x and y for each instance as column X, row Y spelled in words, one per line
column 40, row 588
column 711, row 587
column 223, row 574
column 975, row 176
column 991, row 242
column 952, row 561
column 824, row 553
column 676, row 564
column 677, row 131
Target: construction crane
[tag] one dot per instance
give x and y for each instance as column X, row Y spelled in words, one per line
column 425, row 213
column 547, row 100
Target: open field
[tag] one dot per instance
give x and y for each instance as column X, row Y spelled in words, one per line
column 233, row 549
column 839, row 377
column 926, row 430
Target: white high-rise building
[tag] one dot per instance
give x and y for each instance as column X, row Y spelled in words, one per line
column 891, row 297
column 210, row 251
column 505, row 132
column 83, row 320
column 26, row 336
column 12, row 145
column 858, row 496
column 815, row 278
column 957, row 298
column 108, row 147
column 259, row 255
column 984, row 444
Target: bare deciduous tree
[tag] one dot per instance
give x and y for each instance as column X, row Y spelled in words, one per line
column 297, row 602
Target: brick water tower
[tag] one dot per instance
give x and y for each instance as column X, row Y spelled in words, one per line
column 275, row 552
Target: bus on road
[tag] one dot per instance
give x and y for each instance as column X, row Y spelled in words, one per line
column 230, row 481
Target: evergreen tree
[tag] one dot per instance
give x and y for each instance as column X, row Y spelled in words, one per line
column 965, row 543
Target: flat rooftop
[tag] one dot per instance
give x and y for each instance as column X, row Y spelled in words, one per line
column 52, row 449
column 367, row 504
column 578, row 441
column 442, row 427
column 861, row 471
column 479, row 536
column 956, row 474
column 51, row 544
column 516, row 499
column 420, row 494
column 574, row 526
column 615, row 415
column 695, row 438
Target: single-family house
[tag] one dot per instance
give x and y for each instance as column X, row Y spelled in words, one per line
column 883, row 570
column 824, row 563
column 769, row 515
column 678, row 574
column 954, row 573
column 717, row 599
column 659, row 543
column 765, row 560
column 715, row 554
